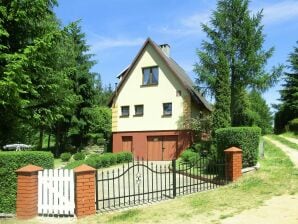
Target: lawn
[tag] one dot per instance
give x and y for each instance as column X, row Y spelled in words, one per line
column 290, row 134
column 277, row 176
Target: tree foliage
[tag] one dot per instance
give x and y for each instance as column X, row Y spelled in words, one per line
column 288, row 109
column 235, row 34
column 46, row 83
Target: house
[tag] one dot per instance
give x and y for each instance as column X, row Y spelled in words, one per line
column 153, row 95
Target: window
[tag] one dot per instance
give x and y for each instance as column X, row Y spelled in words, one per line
column 139, row 110
column 150, row 76
column 167, row 109
column 124, row 111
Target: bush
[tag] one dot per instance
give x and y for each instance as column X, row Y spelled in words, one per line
column 75, row 164
column 189, row 156
column 9, row 163
column 103, row 160
column 245, row 138
column 124, row 157
column 79, row 156
column 65, row 157
column 293, row 125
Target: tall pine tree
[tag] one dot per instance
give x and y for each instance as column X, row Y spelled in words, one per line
column 237, row 33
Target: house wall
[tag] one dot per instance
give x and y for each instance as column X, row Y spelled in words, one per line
column 152, row 97
column 140, row 144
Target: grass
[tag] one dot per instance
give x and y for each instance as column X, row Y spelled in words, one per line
column 58, row 163
column 290, row 134
column 277, row 176
column 284, row 141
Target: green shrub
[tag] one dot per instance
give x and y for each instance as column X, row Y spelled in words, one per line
column 124, row 157
column 245, row 138
column 65, row 157
column 95, row 161
column 79, row 156
column 293, row 125
column 188, row 156
column 9, row 163
column 74, row 164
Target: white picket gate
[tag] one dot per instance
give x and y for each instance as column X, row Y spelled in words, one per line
column 56, row 192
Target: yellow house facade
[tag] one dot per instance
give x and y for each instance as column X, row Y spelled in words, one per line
column 153, row 96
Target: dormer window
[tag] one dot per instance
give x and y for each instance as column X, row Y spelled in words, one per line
column 150, row 76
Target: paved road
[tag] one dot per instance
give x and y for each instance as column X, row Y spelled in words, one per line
column 292, row 153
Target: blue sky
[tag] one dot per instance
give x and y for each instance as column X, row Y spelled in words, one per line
column 116, row 29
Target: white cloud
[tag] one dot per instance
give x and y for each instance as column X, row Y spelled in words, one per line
column 99, row 43
column 190, row 25
column 280, row 12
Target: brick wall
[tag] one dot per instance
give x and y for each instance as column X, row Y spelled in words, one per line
column 234, row 160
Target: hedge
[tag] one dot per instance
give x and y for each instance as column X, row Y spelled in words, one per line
column 102, row 160
column 65, row 156
column 245, row 138
column 189, row 156
column 79, row 156
column 9, row 163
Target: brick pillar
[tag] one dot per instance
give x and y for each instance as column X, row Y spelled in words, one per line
column 234, row 163
column 84, row 190
column 27, row 191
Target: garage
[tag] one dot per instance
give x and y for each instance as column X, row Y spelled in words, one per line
column 161, row 147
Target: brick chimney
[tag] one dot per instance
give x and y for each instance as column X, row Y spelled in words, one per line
column 165, row 49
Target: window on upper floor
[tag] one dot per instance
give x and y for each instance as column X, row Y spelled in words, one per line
column 167, row 109
column 125, row 111
column 139, row 110
column 150, row 76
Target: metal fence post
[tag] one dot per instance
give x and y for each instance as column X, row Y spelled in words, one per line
column 174, row 177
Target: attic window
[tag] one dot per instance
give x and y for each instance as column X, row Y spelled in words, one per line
column 150, row 76
column 167, row 109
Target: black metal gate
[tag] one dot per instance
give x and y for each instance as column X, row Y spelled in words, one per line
column 141, row 182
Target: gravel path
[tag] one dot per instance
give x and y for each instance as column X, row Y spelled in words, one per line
column 292, row 153
column 294, row 140
column 278, row 210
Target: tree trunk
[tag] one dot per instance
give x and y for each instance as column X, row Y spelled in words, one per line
column 40, row 138
column 49, row 140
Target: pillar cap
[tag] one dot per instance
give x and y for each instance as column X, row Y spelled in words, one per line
column 83, row 168
column 29, row 169
column 232, row 149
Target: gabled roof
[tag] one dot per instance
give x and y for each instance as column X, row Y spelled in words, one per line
column 173, row 66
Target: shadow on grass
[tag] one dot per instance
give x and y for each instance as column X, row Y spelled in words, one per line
column 126, row 216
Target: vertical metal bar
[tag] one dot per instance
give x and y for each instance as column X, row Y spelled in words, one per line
column 202, row 181
column 156, row 182
column 128, row 183
column 174, row 177
column 148, row 186
column 179, row 177
column 103, row 191
column 169, row 177
column 143, row 177
column 96, row 182
column 108, row 189
column 123, row 179
column 152, row 173
column 197, row 173
column 114, row 188
column 134, row 183
column 165, row 175
column 138, row 181
column 118, row 178
column 160, row 171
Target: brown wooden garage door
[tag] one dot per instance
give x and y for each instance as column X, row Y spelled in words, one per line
column 127, row 143
column 161, row 147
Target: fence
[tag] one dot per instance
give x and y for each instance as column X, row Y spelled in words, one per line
column 141, row 182
column 56, row 192
column 65, row 192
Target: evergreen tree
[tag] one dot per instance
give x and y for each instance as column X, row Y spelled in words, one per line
column 288, row 109
column 221, row 115
column 239, row 35
column 260, row 114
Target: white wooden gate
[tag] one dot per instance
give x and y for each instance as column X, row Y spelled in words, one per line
column 56, row 192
